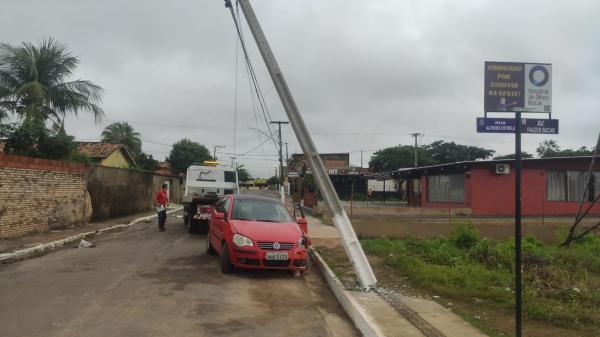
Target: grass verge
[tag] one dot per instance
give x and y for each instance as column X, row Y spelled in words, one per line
column 561, row 286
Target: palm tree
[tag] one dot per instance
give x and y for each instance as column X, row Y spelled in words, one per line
column 123, row 133
column 548, row 148
column 35, row 86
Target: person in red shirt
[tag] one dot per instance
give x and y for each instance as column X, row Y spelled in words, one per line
column 161, row 200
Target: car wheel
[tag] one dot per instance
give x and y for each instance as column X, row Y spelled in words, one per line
column 307, row 264
column 226, row 265
column 209, row 248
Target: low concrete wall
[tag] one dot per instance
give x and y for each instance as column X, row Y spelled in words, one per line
column 37, row 195
column 117, row 192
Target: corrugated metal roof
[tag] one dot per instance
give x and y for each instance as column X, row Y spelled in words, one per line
column 463, row 165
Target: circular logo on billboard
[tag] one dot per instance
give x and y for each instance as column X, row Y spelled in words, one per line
column 539, row 76
column 276, row 245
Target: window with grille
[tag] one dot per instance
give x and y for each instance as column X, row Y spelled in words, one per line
column 570, row 185
column 446, row 188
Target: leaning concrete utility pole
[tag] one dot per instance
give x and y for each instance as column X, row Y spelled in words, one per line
column 361, row 265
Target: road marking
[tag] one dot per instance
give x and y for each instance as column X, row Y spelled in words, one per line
column 181, row 239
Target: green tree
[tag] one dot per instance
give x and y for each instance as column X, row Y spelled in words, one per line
column 439, row 152
column 185, row 153
column 123, row 133
column 243, row 174
column 442, row 152
column 582, row 151
column 33, row 139
column 35, row 85
column 393, row 158
column 274, row 180
column 146, row 162
column 548, row 148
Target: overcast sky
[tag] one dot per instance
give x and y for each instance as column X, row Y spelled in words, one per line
column 365, row 74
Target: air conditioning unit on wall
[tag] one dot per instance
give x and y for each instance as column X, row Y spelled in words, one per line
column 502, row 169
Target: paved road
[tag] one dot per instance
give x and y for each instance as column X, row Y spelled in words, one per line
column 144, row 283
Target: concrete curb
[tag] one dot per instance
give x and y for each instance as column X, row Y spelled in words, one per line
column 47, row 247
column 361, row 319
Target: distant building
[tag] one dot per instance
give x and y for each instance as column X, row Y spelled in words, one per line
column 164, row 168
column 256, row 184
column 550, row 186
column 346, row 180
column 298, row 163
column 107, row 154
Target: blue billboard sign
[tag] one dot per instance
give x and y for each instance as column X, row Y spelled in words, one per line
column 509, row 125
column 511, row 87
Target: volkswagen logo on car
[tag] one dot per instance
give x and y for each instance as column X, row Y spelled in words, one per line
column 276, row 245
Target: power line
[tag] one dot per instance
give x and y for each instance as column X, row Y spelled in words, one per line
column 259, row 95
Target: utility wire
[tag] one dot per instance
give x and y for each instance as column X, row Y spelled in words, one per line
column 259, row 145
column 259, row 94
column 259, row 132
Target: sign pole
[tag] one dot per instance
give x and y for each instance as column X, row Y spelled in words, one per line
column 518, row 224
column 517, row 87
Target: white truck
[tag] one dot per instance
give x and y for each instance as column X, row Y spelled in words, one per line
column 205, row 185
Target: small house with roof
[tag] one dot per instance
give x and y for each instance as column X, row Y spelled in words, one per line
column 107, row 154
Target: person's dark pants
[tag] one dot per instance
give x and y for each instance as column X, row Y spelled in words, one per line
column 162, row 217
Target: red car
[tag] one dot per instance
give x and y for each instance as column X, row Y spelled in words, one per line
column 256, row 232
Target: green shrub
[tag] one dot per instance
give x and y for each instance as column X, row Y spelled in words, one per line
column 464, row 236
column 560, row 285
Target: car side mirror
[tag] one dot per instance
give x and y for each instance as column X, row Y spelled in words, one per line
column 219, row 216
column 303, row 224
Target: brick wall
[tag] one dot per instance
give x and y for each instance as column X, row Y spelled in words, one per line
column 37, row 195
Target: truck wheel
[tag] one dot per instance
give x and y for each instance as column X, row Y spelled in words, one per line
column 203, row 227
column 210, row 250
column 191, row 227
column 226, row 266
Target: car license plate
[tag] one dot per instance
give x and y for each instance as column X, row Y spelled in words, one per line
column 277, row 256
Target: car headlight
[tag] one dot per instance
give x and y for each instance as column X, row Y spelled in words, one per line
column 242, row 241
column 301, row 243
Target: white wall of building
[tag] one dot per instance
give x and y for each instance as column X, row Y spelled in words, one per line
column 375, row 185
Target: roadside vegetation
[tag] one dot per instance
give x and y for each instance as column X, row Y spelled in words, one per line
column 561, row 286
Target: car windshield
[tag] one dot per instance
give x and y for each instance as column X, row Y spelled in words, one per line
column 260, row 210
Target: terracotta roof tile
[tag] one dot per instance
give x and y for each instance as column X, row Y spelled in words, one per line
column 96, row 150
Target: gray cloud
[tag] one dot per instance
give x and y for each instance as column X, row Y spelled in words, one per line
column 355, row 67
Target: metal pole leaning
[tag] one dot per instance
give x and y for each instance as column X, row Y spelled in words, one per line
column 361, row 265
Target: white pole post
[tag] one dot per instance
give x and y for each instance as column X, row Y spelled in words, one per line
column 354, row 250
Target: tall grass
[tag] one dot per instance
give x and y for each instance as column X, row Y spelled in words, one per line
column 561, row 285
